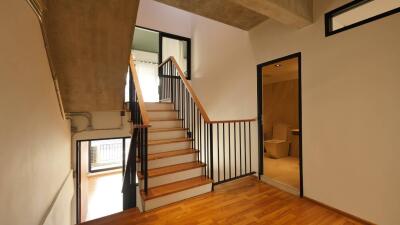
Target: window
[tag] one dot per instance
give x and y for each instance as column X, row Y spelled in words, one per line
column 107, row 154
column 179, row 48
column 357, row 13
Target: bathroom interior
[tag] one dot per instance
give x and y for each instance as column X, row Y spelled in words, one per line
column 281, row 124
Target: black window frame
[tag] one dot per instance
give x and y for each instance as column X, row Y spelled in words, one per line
column 349, row 6
column 162, row 34
column 189, row 50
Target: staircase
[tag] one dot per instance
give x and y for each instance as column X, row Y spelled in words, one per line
column 174, row 171
column 176, row 151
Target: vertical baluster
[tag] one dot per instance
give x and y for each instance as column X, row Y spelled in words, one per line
column 249, row 147
column 240, row 146
column 229, row 136
column 193, row 127
column 198, row 135
column 245, row 148
column 205, row 144
column 211, row 154
column 234, row 139
column 201, row 149
column 187, row 109
column 223, row 141
column 145, row 161
column 218, row 151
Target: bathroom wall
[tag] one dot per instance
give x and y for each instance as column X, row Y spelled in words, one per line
column 280, row 105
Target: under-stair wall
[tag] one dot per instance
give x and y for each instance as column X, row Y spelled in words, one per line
column 35, row 139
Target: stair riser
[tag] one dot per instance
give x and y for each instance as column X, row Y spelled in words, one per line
column 175, row 197
column 172, row 177
column 167, row 135
column 163, row 115
column 171, row 161
column 158, row 106
column 166, row 124
column 169, row 147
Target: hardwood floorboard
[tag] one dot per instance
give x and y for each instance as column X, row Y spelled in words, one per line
column 246, row 201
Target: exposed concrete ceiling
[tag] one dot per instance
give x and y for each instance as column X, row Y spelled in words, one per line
column 90, row 43
column 295, row 13
column 225, row 11
column 246, row 14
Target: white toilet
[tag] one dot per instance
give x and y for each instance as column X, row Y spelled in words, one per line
column 278, row 147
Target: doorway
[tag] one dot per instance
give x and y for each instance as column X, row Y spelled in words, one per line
column 279, row 122
column 100, row 165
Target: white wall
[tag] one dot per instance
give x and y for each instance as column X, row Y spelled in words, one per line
column 350, row 109
column 158, row 16
column 223, row 65
column 35, row 142
column 224, row 74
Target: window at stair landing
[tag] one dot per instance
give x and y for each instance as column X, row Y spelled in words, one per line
column 146, row 64
column 179, row 48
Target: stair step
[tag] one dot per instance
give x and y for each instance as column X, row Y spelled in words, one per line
column 156, row 130
column 171, row 169
column 168, row 154
column 163, row 155
column 158, row 105
column 162, row 120
column 162, row 110
column 171, row 188
column 168, row 141
column 165, row 123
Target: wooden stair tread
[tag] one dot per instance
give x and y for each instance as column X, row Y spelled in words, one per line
column 162, row 155
column 168, row 141
column 157, row 103
column 155, row 130
column 171, row 188
column 171, row 169
column 162, row 110
column 157, row 120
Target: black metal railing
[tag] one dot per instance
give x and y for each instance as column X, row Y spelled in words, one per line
column 223, row 146
column 138, row 146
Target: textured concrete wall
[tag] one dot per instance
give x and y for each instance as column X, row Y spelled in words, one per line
column 90, row 43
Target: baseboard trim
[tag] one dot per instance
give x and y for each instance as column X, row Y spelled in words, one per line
column 280, row 185
column 358, row 219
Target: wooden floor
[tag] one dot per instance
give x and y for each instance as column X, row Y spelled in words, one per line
column 284, row 170
column 104, row 195
column 244, row 201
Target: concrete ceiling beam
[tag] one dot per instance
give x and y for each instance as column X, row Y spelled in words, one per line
column 295, row 13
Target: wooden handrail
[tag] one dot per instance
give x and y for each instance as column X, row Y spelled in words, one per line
column 190, row 89
column 196, row 99
column 143, row 111
column 233, row 121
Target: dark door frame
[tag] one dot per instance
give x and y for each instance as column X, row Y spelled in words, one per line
column 78, row 169
column 260, row 116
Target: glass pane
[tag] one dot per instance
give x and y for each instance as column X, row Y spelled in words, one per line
column 362, row 11
column 177, row 49
column 105, row 154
